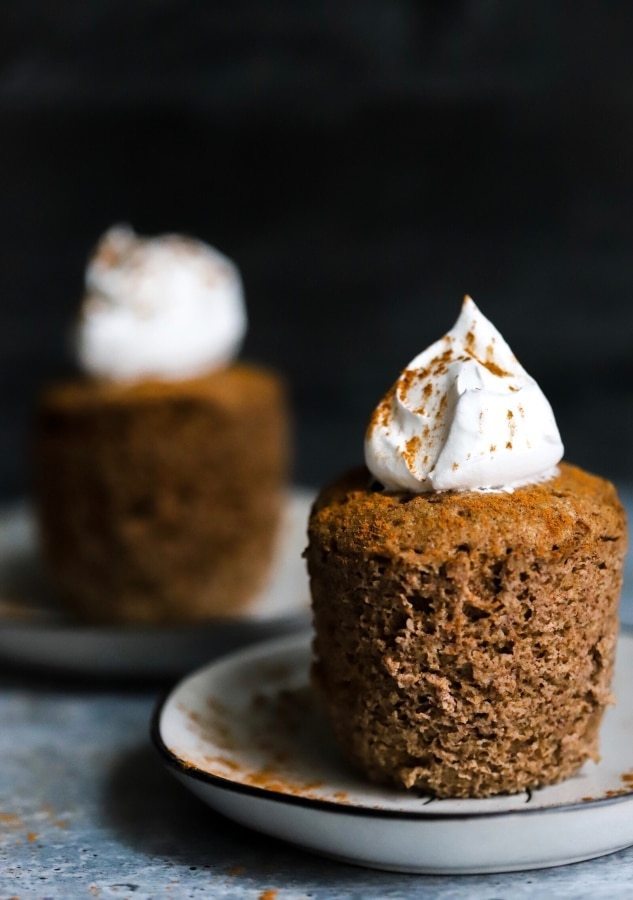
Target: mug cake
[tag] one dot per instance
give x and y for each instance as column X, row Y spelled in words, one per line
column 465, row 584
column 160, row 470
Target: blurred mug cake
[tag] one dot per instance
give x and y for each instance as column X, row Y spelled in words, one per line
column 160, row 470
column 465, row 584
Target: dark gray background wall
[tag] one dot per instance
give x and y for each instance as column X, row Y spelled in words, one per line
column 366, row 163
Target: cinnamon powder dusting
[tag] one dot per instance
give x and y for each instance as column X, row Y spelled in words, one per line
column 107, row 254
column 488, row 362
column 410, row 450
column 380, row 416
column 493, row 368
column 406, row 380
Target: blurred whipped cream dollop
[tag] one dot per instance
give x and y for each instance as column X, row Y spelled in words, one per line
column 167, row 307
column 463, row 415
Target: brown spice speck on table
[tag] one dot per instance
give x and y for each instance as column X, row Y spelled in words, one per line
column 236, row 871
column 10, row 821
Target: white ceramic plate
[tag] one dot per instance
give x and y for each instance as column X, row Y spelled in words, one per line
column 35, row 632
column 244, row 734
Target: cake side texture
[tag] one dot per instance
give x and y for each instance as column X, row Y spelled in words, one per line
column 160, row 501
column 465, row 641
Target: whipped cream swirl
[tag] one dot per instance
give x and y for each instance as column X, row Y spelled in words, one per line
column 464, row 415
column 168, row 307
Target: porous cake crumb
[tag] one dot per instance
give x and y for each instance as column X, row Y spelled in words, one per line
column 465, row 641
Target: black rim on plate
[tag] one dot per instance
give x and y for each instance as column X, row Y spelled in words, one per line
column 191, row 771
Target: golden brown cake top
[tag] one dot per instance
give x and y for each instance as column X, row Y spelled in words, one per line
column 361, row 518
column 234, row 382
